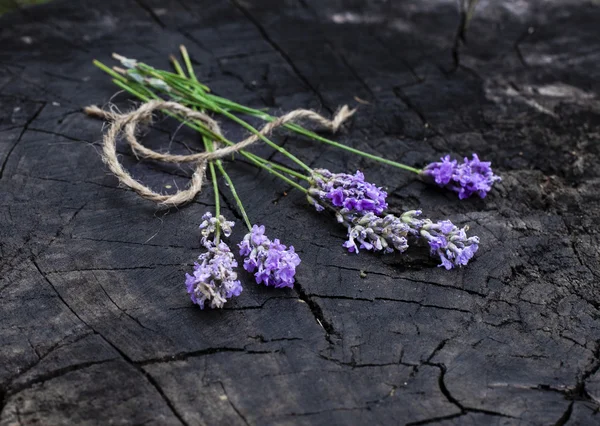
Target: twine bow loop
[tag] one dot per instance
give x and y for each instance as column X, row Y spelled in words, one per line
column 126, row 123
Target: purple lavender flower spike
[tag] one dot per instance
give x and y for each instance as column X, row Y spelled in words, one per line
column 357, row 205
column 348, row 193
column 214, row 279
column 445, row 239
column 375, row 233
column 470, row 177
column 274, row 264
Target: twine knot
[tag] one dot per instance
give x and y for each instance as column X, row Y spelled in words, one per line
column 127, row 124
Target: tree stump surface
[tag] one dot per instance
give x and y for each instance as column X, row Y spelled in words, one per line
column 96, row 326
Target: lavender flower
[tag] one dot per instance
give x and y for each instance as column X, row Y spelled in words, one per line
column 349, row 193
column 274, row 263
column 445, row 239
column 359, row 204
column 470, row 177
column 390, row 234
column 214, row 279
column 377, row 234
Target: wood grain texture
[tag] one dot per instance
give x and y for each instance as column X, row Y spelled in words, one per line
column 95, row 325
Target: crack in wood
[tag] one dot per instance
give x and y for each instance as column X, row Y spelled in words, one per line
column 20, row 137
column 281, row 52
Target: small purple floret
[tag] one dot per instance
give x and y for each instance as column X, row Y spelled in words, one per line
column 274, row 264
column 470, row 177
column 348, row 193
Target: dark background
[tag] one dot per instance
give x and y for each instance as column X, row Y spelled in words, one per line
column 95, row 325
column 10, row 5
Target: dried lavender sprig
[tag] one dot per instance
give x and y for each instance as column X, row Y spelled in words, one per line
column 276, row 264
column 389, row 233
column 214, row 279
column 358, row 205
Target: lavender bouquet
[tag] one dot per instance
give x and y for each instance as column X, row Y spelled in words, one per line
column 358, row 205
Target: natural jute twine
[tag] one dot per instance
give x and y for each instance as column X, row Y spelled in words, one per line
column 143, row 114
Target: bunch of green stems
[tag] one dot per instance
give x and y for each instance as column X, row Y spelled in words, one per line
column 188, row 91
column 148, row 83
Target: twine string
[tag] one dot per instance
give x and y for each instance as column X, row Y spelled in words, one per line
column 127, row 123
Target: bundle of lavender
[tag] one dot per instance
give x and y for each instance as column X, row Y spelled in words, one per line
column 358, row 205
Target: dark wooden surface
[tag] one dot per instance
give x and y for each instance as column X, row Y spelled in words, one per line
column 95, row 325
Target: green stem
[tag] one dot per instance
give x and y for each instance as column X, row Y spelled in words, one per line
column 262, row 163
column 213, row 176
column 188, row 63
column 234, row 193
column 109, row 71
column 177, row 66
column 208, row 145
column 266, row 140
column 305, row 132
column 136, row 92
column 279, row 175
column 280, row 167
column 267, row 165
